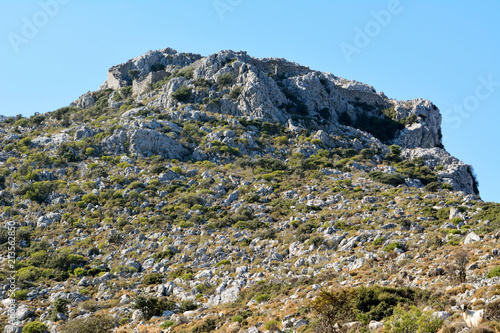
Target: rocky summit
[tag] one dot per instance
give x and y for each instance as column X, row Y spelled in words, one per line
column 228, row 193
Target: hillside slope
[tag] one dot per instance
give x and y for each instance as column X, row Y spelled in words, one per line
column 232, row 194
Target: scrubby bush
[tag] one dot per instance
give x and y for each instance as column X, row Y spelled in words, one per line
column 20, row 295
column 35, row 327
column 334, row 308
column 392, row 246
column 153, row 306
column 237, row 319
column 37, row 191
column 387, row 178
column 92, row 324
column 223, row 262
column 262, row 298
column 183, row 94
column 433, row 187
column 134, row 73
column 235, row 92
column 395, row 150
column 153, row 278
column 271, row 325
column 365, row 304
column 209, row 325
column 186, row 72
column 225, row 79
column 494, row 272
column 412, row 319
column 493, row 310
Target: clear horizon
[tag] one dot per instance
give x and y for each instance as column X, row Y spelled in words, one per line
column 53, row 51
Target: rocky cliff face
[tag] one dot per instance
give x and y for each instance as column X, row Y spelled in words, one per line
column 277, row 90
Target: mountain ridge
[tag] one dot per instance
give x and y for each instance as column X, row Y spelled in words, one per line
column 232, row 194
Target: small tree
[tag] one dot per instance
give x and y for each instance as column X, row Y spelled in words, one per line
column 461, row 259
column 335, row 308
column 395, row 150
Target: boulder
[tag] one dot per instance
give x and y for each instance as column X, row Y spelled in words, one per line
column 471, row 238
column 143, row 142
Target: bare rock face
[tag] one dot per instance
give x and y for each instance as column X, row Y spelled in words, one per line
column 425, row 132
column 85, row 101
column 143, row 142
column 275, row 90
column 118, row 76
column 454, row 172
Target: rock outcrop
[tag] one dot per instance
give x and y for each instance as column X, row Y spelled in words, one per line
column 273, row 89
column 143, row 142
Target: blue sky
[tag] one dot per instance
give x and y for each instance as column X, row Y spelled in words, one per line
column 52, row 51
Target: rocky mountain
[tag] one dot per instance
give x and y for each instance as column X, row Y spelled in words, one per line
column 233, row 194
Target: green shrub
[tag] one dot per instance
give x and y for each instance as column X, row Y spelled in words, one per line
column 447, row 186
column 153, row 306
column 23, row 122
column 237, row 318
column 412, row 319
column 167, row 324
column 261, row 298
column 134, row 73
column 20, row 295
column 271, row 325
column 135, row 185
column 316, row 142
column 61, row 305
column 25, row 142
column 35, row 327
column 183, row 94
column 225, row 79
column 334, row 308
column 90, row 198
column 494, row 272
column 378, row 241
column 433, row 187
column 37, row 191
column 493, row 310
column 223, row 262
column 392, row 246
column 187, row 306
column 383, row 128
column 235, row 92
column 9, row 147
column 168, row 253
column 92, row 324
column 387, row 178
column 29, row 273
column 395, row 150
column 157, row 67
column 191, row 199
column 186, row 72
column 153, row 278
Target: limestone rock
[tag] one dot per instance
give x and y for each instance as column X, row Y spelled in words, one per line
column 143, row 142
column 85, row 101
column 471, row 238
column 454, row 172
